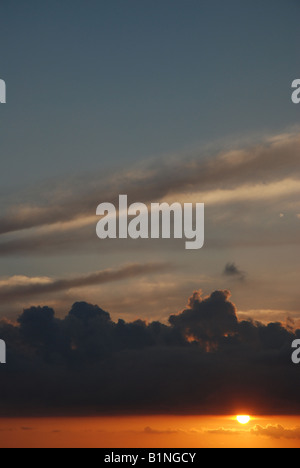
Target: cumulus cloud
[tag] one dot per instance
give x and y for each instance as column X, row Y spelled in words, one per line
column 277, row 432
column 17, row 287
column 207, row 319
column 203, row 361
column 274, row 432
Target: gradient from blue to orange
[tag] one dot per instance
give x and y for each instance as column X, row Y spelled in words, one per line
column 99, row 90
column 112, row 91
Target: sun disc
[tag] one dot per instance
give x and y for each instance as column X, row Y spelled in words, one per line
column 243, row 419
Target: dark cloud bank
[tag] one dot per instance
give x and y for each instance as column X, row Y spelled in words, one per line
column 203, row 361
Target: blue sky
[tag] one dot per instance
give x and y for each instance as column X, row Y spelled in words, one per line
column 99, row 83
column 99, row 90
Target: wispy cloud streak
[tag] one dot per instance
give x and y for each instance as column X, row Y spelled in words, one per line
column 12, row 292
column 270, row 161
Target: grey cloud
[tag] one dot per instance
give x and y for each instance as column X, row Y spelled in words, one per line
column 48, row 243
column 227, row 232
column 269, row 161
column 277, row 432
column 12, row 293
column 274, row 432
column 207, row 319
column 232, row 271
column 150, row 431
column 86, row 363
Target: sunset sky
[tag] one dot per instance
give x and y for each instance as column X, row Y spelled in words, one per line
column 161, row 432
column 166, row 100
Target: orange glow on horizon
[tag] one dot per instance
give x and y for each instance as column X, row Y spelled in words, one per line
column 149, row 432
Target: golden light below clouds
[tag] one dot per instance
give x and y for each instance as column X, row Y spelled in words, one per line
column 150, row 432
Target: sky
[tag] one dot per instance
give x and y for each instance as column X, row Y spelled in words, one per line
column 152, row 432
column 173, row 100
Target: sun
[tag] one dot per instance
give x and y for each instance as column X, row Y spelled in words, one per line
column 243, row 419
